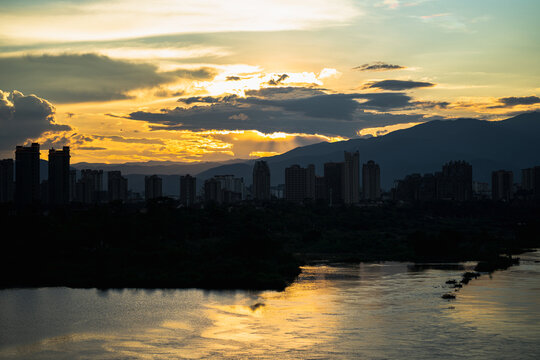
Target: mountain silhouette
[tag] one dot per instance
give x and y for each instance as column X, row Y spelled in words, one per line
column 511, row 144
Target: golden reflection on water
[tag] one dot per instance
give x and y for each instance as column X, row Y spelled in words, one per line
column 366, row 311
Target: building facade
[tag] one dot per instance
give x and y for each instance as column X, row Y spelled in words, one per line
column 153, row 187
column 351, row 178
column 501, row 185
column 261, row 181
column 6, row 181
column 27, row 184
column 117, row 186
column 371, row 181
column 188, row 190
column 59, row 176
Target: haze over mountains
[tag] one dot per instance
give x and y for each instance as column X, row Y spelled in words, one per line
column 512, row 144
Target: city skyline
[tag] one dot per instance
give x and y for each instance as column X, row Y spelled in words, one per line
column 277, row 75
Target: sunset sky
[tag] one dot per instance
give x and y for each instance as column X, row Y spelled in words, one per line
column 208, row 80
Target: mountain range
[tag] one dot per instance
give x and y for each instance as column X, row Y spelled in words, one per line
column 511, row 144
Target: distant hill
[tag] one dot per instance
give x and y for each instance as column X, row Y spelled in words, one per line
column 511, row 144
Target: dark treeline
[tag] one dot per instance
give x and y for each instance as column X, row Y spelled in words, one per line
column 247, row 246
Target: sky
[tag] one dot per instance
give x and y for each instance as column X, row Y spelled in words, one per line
column 210, row 80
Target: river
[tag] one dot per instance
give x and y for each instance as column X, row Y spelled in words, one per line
column 366, row 311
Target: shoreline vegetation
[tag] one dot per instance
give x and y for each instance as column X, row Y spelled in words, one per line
column 251, row 246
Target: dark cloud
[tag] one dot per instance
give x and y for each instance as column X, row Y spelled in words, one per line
column 128, row 140
column 93, row 148
column 517, row 100
column 233, row 78
column 72, row 78
column 293, row 110
column 378, row 66
column 278, row 80
column 397, row 85
column 25, row 117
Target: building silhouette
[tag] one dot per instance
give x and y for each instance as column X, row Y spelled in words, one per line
column 333, row 178
column 212, row 191
column 295, row 183
column 59, row 176
column 501, row 185
column 116, row 186
column 351, row 178
column 72, row 185
column 530, row 181
column 6, row 181
column 188, row 189
column 229, row 190
column 261, row 181
column 371, row 181
column 89, row 188
column 27, row 186
column 454, row 182
column 153, row 187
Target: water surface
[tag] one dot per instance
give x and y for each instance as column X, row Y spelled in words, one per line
column 371, row 311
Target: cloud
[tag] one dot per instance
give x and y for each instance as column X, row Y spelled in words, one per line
column 233, row 78
column 25, row 117
column 397, row 85
column 128, row 140
column 70, row 78
column 285, row 109
column 91, row 148
column 278, row 80
column 517, row 100
column 378, row 66
column 120, row 19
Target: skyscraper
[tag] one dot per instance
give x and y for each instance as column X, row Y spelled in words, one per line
column 90, row 186
column 27, row 188
column 333, row 179
column 212, row 191
column 371, row 181
column 351, row 178
column 152, row 187
column 116, row 186
column 59, row 176
column 188, row 188
column 295, row 183
column 455, row 181
column 501, row 185
column 6, row 180
column 261, row 181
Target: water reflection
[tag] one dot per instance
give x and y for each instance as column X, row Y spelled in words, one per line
column 371, row 311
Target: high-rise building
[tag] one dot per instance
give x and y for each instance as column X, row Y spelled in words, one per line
column 333, row 178
column 295, row 183
column 152, row 187
column 530, row 181
column 501, row 185
column 6, row 180
column 116, row 186
column 188, row 189
column 351, row 178
column 261, row 180
column 27, row 185
column 59, row 176
column 455, row 181
column 72, row 185
column 527, row 179
column 371, row 181
column 213, row 191
column 90, row 186
column 232, row 188
column 536, row 182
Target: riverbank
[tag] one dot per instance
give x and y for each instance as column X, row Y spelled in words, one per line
column 246, row 246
